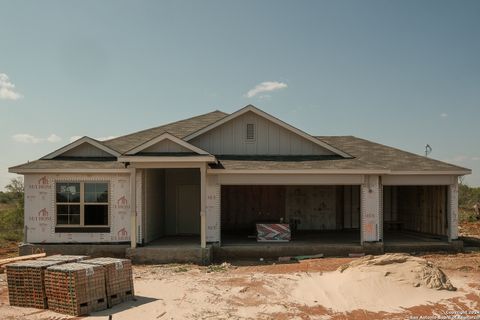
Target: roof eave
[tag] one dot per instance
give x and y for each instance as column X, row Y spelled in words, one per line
column 79, row 170
column 160, row 159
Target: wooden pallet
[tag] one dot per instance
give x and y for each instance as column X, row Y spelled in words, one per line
column 118, row 279
column 75, row 288
column 4, row 262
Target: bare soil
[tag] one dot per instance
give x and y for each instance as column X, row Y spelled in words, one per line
column 264, row 291
column 469, row 229
column 8, row 249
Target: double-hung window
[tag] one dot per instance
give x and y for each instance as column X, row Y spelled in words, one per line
column 81, row 205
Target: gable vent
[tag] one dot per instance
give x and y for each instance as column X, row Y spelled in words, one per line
column 250, row 131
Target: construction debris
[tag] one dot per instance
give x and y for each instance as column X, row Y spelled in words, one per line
column 4, row 262
column 306, row 257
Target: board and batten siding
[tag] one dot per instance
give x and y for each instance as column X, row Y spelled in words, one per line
column 269, row 139
column 40, row 208
column 86, row 150
column 166, row 146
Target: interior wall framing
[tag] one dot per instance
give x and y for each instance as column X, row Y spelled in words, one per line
column 310, row 207
column 417, row 208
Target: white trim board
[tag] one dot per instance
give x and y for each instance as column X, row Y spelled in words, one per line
column 78, row 142
column 339, row 171
column 251, row 108
column 25, row 171
column 167, row 159
column 166, row 136
column 285, row 179
column 415, row 180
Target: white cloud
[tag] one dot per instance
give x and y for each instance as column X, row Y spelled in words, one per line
column 75, row 138
column 267, row 86
column 53, row 138
column 105, row 138
column 443, row 115
column 28, row 138
column 7, row 89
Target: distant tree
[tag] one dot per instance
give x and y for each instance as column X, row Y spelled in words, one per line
column 11, row 219
column 15, row 188
column 468, row 196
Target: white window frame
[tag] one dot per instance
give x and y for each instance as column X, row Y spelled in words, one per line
column 82, row 204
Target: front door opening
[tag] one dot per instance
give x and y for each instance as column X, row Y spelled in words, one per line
column 172, row 206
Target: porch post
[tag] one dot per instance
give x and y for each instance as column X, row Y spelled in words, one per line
column 453, row 211
column 203, row 200
column 371, row 210
column 133, row 208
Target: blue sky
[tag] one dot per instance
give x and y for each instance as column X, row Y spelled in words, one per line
column 403, row 73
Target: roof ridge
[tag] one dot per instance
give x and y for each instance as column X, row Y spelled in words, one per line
column 166, row 124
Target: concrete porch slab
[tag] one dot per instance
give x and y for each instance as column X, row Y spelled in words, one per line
column 170, row 254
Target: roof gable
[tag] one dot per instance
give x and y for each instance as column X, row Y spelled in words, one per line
column 250, row 109
column 178, row 129
column 165, row 143
column 83, row 148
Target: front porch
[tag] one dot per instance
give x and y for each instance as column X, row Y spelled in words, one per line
column 182, row 249
column 188, row 215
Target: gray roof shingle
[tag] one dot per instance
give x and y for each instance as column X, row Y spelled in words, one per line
column 179, row 129
column 367, row 155
column 69, row 164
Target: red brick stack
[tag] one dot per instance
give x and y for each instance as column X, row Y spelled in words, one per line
column 64, row 258
column 26, row 283
column 118, row 278
column 75, row 288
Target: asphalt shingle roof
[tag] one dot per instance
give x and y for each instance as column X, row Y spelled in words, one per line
column 70, row 164
column 367, row 155
column 180, row 129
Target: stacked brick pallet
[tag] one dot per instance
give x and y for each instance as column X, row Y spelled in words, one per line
column 118, row 279
column 26, row 283
column 70, row 284
column 64, row 258
column 75, row 288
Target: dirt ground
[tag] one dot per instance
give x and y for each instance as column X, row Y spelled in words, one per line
column 253, row 290
column 469, row 229
column 267, row 290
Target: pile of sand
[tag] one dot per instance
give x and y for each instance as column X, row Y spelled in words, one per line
column 420, row 271
column 377, row 283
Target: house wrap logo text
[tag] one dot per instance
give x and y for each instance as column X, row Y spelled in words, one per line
column 122, row 203
column 122, row 234
column 42, row 183
column 42, row 216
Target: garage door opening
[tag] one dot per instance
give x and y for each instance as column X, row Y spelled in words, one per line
column 415, row 213
column 324, row 214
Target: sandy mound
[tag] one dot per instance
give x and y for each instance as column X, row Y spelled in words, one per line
column 421, row 272
column 377, row 283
